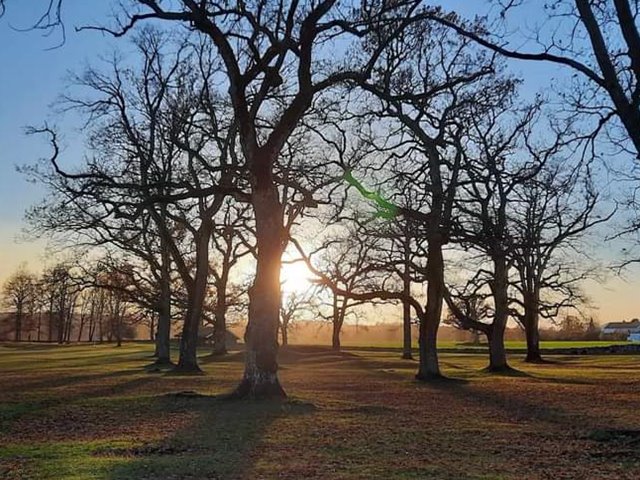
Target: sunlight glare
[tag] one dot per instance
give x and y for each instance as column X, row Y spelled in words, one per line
column 295, row 277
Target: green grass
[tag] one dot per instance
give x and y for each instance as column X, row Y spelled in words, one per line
column 93, row 412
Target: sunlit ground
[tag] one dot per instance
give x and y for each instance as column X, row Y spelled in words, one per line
column 92, row 412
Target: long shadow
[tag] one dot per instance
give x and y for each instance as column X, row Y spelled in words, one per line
column 217, row 444
column 72, row 379
column 27, row 345
column 309, row 355
column 231, row 357
column 18, row 410
column 514, row 405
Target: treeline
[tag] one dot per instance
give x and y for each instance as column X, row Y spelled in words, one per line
column 384, row 144
column 57, row 306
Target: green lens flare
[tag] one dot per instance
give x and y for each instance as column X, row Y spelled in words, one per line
column 385, row 209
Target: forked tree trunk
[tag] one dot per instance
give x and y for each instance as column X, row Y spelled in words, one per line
column 531, row 328
column 429, row 367
column 500, row 284
column 188, row 361
column 260, row 379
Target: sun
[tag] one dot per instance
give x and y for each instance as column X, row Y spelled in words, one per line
column 295, row 277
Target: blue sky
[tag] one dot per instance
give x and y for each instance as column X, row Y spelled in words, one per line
column 32, row 76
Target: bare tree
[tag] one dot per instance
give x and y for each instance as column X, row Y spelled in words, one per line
column 552, row 214
column 429, row 89
column 62, row 290
column 599, row 41
column 230, row 246
column 277, row 59
column 162, row 168
column 469, row 312
column 295, row 305
column 499, row 157
column 347, row 267
column 17, row 292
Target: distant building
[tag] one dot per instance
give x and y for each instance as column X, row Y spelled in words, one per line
column 205, row 337
column 629, row 330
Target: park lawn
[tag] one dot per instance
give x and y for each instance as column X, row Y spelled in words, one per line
column 92, row 412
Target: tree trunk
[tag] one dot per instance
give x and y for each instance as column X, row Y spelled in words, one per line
column 500, row 284
column 152, row 331
column 407, row 353
column 18, row 332
column 188, row 361
column 220, row 322
column 163, row 334
column 429, row 367
column 118, row 332
column 39, row 323
column 284, row 330
column 92, row 326
column 81, row 328
column 61, row 325
column 335, row 336
column 531, row 328
column 260, row 377
column 339, row 313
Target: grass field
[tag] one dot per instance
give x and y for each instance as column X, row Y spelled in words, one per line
column 92, row 412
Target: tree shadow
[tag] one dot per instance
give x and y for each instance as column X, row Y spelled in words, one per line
column 441, row 382
column 67, row 380
column 218, row 443
column 231, row 357
column 506, row 371
column 313, row 354
column 521, row 407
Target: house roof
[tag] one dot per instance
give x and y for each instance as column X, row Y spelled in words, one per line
column 635, row 323
column 207, row 332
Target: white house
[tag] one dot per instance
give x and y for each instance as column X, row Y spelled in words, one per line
column 630, row 330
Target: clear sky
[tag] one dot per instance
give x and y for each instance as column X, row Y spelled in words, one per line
column 32, row 76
